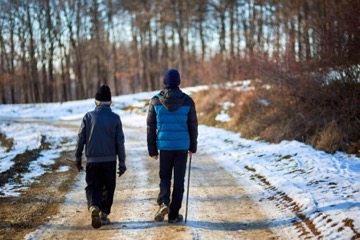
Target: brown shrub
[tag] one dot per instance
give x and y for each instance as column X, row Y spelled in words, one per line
column 330, row 138
column 207, row 106
column 310, row 108
column 8, row 143
column 246, row 109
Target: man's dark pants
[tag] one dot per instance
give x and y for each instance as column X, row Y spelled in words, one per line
column 172, row 161
column 101, row 183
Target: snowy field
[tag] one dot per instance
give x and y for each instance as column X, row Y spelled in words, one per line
column 325, row 188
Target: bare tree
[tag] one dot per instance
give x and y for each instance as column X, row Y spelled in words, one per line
column 63, row 49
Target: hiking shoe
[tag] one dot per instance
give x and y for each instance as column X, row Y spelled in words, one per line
column 95, row 217
column 176, row 220
column 160, row 215
column 104, row 219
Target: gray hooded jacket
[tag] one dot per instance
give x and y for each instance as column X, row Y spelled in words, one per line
column 101, row 133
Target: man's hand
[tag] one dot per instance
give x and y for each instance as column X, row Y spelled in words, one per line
column 155, row 157
column 122, row 170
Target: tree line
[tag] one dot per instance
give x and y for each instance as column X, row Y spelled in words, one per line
column 61, row 50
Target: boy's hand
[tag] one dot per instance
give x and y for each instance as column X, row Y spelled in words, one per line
column 78, row 166
column 122, row 170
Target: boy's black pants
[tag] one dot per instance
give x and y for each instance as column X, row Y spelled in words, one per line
column 101, row 183
column 172, row 161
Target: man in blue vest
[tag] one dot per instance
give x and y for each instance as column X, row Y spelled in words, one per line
column 172, row 130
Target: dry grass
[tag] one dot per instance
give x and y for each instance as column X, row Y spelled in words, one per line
column 329, row 138
column 324, row 114
column 207, row 106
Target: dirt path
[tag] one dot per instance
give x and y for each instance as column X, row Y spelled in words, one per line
column 219, row 208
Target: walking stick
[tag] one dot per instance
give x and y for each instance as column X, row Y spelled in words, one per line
column 187, row 192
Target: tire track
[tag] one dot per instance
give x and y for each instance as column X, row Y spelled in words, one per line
column 305, row 222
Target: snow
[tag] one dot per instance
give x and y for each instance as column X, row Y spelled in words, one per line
column 223, row 116
column 324, row 187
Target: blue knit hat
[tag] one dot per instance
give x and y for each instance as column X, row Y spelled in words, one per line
column 172, row 78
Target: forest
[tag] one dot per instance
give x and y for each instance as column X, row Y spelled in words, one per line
column 61, row 50
column 302, row 57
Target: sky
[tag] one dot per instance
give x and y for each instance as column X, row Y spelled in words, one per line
column 323, row 187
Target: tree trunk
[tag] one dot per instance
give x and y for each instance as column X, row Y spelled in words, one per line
column 51, row 38
column 34, row 82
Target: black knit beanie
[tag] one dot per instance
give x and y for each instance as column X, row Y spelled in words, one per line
column 103, row 94
column 172, row 78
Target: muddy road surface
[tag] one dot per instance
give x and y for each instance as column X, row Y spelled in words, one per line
column 219, row 207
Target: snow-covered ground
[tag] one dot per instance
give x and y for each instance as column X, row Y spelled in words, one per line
column 325, row 188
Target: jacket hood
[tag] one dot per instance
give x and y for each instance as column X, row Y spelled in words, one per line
column 172, row 98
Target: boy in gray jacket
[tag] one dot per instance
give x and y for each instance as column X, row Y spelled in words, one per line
column 101, row 133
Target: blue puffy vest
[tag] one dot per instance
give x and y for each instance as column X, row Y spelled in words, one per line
column 172, row 128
